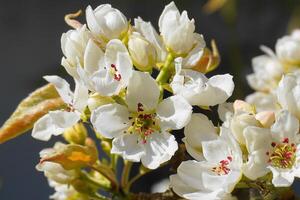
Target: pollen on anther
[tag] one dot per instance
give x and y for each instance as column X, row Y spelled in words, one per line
column 273, row 144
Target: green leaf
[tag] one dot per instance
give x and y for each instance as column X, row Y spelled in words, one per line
column 36, row 105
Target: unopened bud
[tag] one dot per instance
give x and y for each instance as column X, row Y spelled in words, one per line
column 142, row 52
column 76, row 134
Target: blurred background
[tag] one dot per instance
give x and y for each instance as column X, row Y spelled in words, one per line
column 30, row 48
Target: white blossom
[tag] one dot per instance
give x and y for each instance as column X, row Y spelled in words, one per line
column 274, row 149
column 288, row 48
column 214, row 177
column 73, row 44
column 199, row 90
column 177, row 29
column 106, row 22
column 106, row 72
column 56, row 122
column 140, row 129
column 142, row 52
column 267, row 71
column 288, row 93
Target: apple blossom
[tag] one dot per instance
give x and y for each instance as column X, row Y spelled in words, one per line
column 142, row 52
column 288, row 48
column 275, row 149
column 140, row 131
column 214, row 177
column 56, row 122
column 106, row 72
column 288, row 93
column 267, row 71
column 106, row 22
column 199, row 90
column 177, row 30
column 73, row 44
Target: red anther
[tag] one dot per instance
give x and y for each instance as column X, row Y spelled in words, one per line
column 224, row 162
column 140, row 107
column 229, row 158
column 147, row 116
column 287, row 155
column 285, row 140
column 117, row 77
column 292, row 144
column 267, row 153
column 273, row 144
column 113, row 66
column 144, row 141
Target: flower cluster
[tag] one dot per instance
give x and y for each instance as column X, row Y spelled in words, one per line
column 134, row 86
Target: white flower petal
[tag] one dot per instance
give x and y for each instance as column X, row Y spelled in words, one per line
column 81, row 95
column 54, row 123
column 142, row 89
column 285, row 126
column 174, row 113
column 225, row 111
column 256, row 166
column 199, row 129
column 282, row 177
column 215, row 150
column 128, row 146
column 110, row 120
column 257, row 138
column 263, row 101
column 116, row 53
column 159, row 148
column 93, row 58
column 62, row 87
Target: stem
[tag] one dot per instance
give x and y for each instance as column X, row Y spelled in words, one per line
column 125, row 175
column 107, row 173
column 165, row 72
column 97, row 196
column 94, row 182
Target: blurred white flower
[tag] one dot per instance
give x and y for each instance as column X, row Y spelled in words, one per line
column 288, row 93
column 140, row 131
column 177, row 30
column 106, row 72
column 73, row 44
column 275, row 149
column 106, row 22
column 56, row 122
column 288, row 48
column 263, row 101
column 267, row 71
column 199, row 90
column 142, row 52
column 216, row 176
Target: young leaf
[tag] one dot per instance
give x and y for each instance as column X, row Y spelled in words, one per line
column 30, row 110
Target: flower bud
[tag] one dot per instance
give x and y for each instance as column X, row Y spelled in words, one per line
column 95, row 100
column 288, row 48
column 177, row 30
column 76, row 134
column 142, row 52
column 73, row 44
column 241, row 121
column 106, row 22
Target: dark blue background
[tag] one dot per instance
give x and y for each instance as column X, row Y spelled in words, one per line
column 30, row 33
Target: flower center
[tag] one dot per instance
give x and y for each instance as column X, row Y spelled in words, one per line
column 223, row 167
column 114, row 72
column 282, row 155
column 143, row 123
